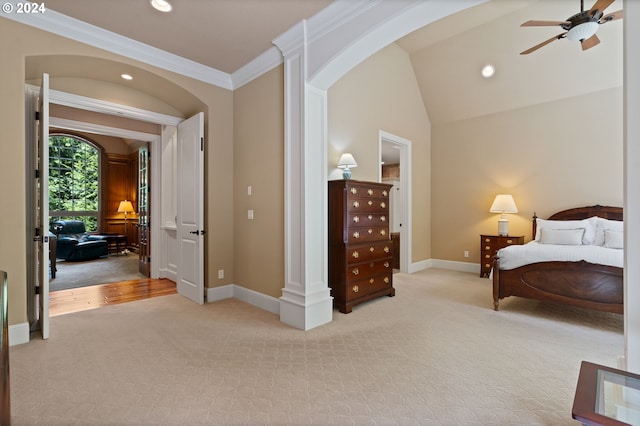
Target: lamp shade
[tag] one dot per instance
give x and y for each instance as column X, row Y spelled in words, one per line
column 347, row 161
column 125, row 207
column 504, row 203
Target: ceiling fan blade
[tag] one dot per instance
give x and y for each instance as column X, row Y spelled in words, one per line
column 544, row 43
column 600, row 6
column 611, row 17
column 590, row 42
column 544, row 23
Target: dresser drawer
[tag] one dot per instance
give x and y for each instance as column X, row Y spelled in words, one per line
column 363, row 235
column 357, row 272
column 372, row 284
column 360, row 190
column 363, row 205
column 367, row 219
column 374, row 250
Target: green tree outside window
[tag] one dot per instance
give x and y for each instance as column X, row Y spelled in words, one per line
column 74, row 174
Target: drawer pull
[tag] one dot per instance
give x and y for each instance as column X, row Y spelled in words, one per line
column 370, row 231
column 487, row 248
column 487, row 256
column 383, row 232
column 386, row 280
column 487, row 240
column 354, row 191
column 371, row 249
column 356, row 219
column 356, row 204
column 355, row 271
column 370, row 202
column 370, row 192
column 385, row 193
column 383, row 218
column 371, row 280
column 509, row 241
column 356, row 235
column 355, row 254
column 386, row 249
column 486, row 265
column 383, row 204
column 386, row 264
column 355, row 289
column 370, row 217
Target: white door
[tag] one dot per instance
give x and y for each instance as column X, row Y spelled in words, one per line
column 190, row 197
column 42, row 207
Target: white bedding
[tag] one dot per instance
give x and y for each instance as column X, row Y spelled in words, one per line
column 512, row 257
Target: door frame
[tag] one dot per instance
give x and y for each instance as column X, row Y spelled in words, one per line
column 104, row 107
column 404, row 146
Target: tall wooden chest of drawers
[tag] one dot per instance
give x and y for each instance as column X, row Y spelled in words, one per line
column 360, row 248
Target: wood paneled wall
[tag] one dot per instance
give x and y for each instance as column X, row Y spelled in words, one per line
column 120, row 182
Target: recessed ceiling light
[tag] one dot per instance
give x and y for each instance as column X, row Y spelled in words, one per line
column 488, row 71
column 126, row 77
column 161, row 5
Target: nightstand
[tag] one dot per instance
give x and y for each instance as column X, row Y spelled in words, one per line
column 489, row 246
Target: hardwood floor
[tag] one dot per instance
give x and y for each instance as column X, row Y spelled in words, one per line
column 96, row 296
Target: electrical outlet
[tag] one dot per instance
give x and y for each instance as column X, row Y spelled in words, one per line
column 220, row 274
column 466, row 253
column 249, row 214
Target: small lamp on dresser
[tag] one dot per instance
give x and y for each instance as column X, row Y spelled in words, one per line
column 346, row 163
column 503, row 204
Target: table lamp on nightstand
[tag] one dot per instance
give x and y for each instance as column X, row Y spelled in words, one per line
column 503, row 204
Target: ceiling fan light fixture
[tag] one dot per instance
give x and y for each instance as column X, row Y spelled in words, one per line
column 161, row 5
column 582, row 31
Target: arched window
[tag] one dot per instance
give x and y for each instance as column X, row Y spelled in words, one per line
column 74, row 180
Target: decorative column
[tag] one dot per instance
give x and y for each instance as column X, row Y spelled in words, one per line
column 306, row 301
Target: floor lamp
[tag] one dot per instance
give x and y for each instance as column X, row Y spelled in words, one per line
column 125, row 207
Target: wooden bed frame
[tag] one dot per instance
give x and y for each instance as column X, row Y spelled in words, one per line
column 581, row 284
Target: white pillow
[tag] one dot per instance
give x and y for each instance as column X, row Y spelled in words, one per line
column 603, row 224
column 567, row 237
column 613, row 239
column 589, row 226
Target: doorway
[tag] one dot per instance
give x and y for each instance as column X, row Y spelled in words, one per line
column 395, row 168
column 159, row 237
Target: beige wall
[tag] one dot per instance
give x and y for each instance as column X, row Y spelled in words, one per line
column 259, row 163
column 550, row 157
column 163, row 88
column 382, row 94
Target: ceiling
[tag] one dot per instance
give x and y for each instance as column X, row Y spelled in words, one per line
column 221, row 34
column 447, row 55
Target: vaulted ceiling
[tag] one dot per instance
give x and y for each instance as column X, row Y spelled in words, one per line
column 447, row 55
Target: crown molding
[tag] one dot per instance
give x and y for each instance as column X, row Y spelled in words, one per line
column 74, row 29
column 262, row 64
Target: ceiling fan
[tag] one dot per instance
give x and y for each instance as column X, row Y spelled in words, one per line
column 581, row 26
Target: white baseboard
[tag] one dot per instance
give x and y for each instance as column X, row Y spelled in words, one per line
column 18, row 334
column 272, row 304
column 456, row 266
column 259, row 300
column 420, row 266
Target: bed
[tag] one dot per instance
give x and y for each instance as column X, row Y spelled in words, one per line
column 578, row 283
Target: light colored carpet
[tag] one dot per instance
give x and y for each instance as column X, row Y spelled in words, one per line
column 93, row 272
column 436, row 354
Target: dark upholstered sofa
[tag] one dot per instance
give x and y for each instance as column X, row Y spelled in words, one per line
column 75, row 243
